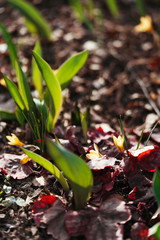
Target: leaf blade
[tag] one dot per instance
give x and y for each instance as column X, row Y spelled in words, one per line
column 48, row 166
column 36, row 74
column 70, row 67
column 12, row 50
column 14, row 93
column 33, row 16
column 24, row 88
column 51, row 81
column 76, row 171
column 156, row 186
column 7, row 115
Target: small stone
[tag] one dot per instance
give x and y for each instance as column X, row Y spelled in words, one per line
column 90, row 45
column 33, row 230
column 3, row 48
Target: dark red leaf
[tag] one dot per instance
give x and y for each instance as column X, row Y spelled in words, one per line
column 150, row 159
column 49, row 212
column 139, row 231
column 43, row 203
column 54, row 217
column 154, row 63
column 102, row 223
column 147, row 158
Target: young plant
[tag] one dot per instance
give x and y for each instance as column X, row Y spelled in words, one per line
column 74, row 169
column 41, row 114
column 34, row 20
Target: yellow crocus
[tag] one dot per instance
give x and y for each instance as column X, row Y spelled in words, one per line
column 145, row 25
column 24, row 160
column 119, row 142
column 3, row 83
column 14, row 140
column 93, row 154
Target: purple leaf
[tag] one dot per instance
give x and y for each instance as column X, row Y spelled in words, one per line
column 103, row 223
column 139, row 231
column 10, row 164
column 50, row 211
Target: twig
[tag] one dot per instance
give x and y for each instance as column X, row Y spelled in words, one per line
column 144, row 89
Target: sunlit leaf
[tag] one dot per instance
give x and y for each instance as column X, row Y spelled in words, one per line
column 36, row 74
column 48, row 166
column 53, row 87
column 11, row 47
column 76, row 171
column 70, row 67
column 24, row 88
column 155, row 230
column 33, row 16
column 14, row 93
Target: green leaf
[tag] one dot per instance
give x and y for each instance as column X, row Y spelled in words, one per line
column 123, row 133
column 42, row 109
column 84, row 124
column 140, row 7
column 156, row 186
column 11, row 47
column 140, row 139
column 24, row 88
column 155, row 231
column 14, row 93
column 53, row 87
column 70, row 67
column 20, row 116
column 113, row 7
column 76, row 171
column 36, row 74
column 32, row 15
column 49, row 167
column 7, row 115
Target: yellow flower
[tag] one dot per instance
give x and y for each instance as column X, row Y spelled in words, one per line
column 93, row 154
column 24, row 160
column 14, row 140
column 3, row 83
column 119, row 142
column 145, row 25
